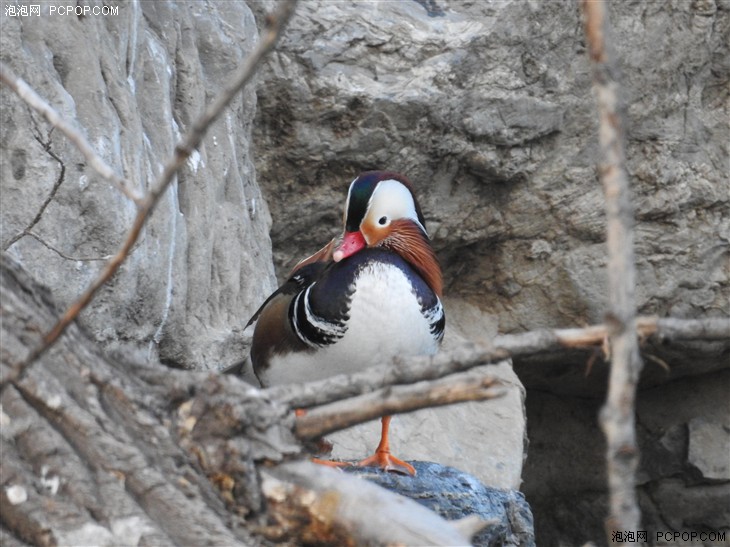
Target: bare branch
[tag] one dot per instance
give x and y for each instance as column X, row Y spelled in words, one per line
column 471, row 355
column 35, row 101
column 617, row 415
column 349, row 510
column 474, row 385
column 400, row 371
column 670, row 328
column 189, row 143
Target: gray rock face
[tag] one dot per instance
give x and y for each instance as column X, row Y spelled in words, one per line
column 682, row 431
column 132, row 83
column 488, row 108
column 709, row 447
column 454, row 494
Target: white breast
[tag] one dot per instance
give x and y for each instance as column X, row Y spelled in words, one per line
column 385, row 321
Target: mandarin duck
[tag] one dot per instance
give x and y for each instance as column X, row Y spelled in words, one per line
column 366, row 297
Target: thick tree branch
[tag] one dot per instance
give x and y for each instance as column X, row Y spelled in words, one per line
column 341, row 509
column 617, row 415
column 191, row 140
column 470, row 355
column 474, row 385
column 91, row 444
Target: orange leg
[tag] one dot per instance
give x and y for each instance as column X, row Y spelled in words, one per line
column 383, row 458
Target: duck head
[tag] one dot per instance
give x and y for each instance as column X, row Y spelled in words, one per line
column 382, row 211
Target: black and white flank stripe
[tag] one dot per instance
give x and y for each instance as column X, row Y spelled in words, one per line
column 312, row 329
column 436, row 319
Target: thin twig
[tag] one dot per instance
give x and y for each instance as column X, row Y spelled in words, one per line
column 474, row 385
column 617, row 415
column 468, row 356
column 35, row 101
column 183, row 150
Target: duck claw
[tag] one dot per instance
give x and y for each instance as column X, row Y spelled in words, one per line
column 387, row 462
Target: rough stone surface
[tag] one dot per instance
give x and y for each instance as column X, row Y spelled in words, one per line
column 709, row 447
column 681, row 428
column 488, row 108
column 132, row 83
column 454, row 494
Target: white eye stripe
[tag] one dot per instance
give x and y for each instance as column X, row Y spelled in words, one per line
column 393, row 200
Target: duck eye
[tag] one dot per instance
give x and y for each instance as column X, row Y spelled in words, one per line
column 383, row 221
